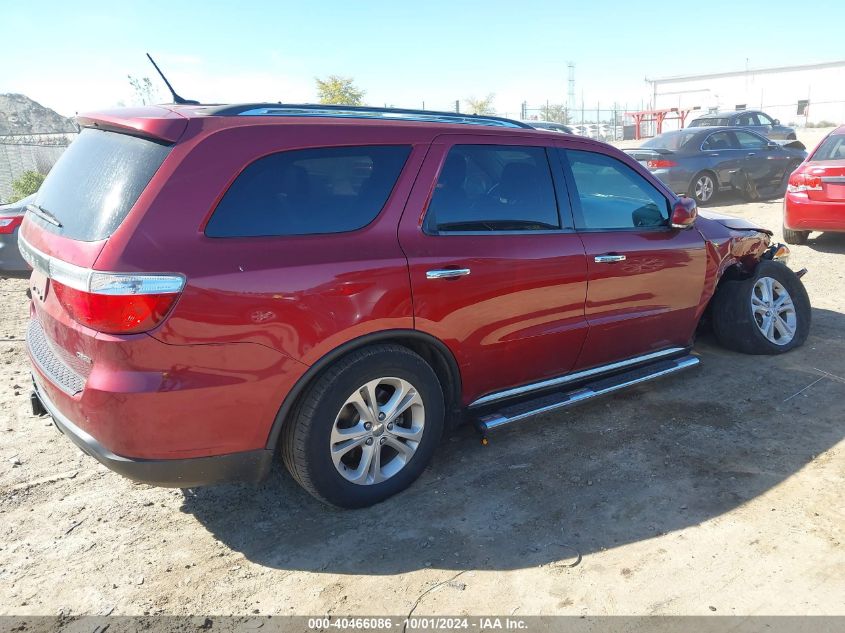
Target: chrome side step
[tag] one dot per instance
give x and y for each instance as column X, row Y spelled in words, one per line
column 559, row 399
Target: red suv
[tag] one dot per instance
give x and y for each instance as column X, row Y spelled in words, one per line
column 214, row 285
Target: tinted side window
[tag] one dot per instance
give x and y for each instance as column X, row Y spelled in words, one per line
column 718, row 140
column 309, row 191
column 746, row 140
column 613, row 196
column 493, row 188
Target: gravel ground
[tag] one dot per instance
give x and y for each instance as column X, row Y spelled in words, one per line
column 715, row 491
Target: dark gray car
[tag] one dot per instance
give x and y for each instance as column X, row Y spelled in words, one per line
column 11, row 216
column 753, row 120
column 700, row 162
column 550, row 125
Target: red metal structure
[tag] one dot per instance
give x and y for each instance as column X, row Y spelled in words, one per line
column 657, row 116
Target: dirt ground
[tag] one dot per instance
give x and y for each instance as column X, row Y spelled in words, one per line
column 719, row 490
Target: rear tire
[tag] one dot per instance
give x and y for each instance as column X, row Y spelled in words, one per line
column 384, row 453
column 795, row 237
column 768, row 313
column 703, row 188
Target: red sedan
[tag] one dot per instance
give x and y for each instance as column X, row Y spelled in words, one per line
column 815, row 196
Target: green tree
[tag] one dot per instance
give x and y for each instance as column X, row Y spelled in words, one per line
column 145, row 93
column 336, row 90
column 26, row 184
column 480, row 106
column 555, row 112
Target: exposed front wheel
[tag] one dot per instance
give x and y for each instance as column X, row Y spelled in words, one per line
column 768, row 313
column 702, row 188
column 367, row 428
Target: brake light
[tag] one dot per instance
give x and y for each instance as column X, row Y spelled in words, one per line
column 120, row 304
column 660, row 164
column 8, row 225
column 113, row 303
column 799, row 182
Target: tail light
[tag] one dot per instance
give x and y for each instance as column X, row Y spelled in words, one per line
column 113, row 303
column 120, row 303
column 9, row 224
column 660, row 164
column 799, row 182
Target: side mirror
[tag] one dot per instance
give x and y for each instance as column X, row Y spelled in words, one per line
column 772, row 145
column 683, row 213
column 776, row 122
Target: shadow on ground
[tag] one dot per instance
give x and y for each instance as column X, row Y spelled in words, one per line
column 833, row 243
column 627, row 468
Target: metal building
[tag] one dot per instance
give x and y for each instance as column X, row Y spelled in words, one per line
column 796, row 95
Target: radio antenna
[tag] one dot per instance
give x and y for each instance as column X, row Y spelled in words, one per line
column 176, row 98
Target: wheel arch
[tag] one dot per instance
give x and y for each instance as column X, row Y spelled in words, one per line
column 431, row 349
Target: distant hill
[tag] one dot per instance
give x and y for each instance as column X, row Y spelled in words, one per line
column 21, row 115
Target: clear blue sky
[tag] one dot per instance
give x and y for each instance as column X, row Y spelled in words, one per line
column 74, row 56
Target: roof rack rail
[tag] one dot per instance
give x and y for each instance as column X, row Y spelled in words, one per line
column 360, row 112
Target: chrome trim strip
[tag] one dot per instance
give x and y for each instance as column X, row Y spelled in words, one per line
column 838, row 180
column 99, row 281
column 609, row 259
column 562, row 380
column 494, row 421
column 447, row 273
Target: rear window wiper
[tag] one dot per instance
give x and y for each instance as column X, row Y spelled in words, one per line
column 45, row 215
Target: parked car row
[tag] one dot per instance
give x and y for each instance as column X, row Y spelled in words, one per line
column 702, row 161
column 216, row 288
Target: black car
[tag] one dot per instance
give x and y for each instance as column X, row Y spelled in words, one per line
column 753, row 120
column 700, row 162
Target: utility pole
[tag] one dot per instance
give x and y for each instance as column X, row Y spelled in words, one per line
column 457, row 105
column 571, row 94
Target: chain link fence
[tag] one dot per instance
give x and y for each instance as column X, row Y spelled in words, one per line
column 29, row 152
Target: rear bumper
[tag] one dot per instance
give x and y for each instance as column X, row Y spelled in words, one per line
column 249, row 466
column 676, row 179
column 802, row 214
column 12, row 264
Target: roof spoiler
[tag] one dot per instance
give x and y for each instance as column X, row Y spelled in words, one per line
column 153, row 122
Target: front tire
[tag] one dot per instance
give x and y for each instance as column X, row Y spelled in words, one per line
column 768, row 313
column 703, row 188
column 367, row 428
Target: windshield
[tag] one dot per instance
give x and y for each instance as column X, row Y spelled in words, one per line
column 832, row 148
column 96, row 181
column 710, row 122
column 670, row 140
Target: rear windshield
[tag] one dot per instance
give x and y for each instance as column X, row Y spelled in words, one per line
column 670, row 140
column 710, row 122
column 96, row 181
column 832, row 148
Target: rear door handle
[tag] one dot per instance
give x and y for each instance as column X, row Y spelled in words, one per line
column 609, row 259
column 447, row 273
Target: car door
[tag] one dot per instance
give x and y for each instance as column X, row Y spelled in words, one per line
column 756, row 158
column 645, row 279
column 764, row 124
column 496, row 270
column 721, row 154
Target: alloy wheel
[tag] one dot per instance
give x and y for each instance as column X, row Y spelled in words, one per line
column 774, row 311
column 704, row 188
column 377, row 430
